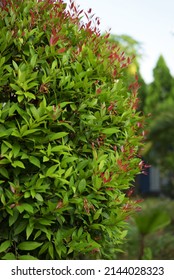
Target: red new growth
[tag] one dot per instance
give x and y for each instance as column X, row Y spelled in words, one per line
column 53, row 40
column 62, row 50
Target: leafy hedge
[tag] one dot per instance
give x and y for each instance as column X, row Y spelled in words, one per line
column 69, row 134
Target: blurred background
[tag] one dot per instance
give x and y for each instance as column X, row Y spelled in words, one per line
column 146, row 29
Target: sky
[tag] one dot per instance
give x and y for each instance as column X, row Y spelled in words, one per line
column 150, row 22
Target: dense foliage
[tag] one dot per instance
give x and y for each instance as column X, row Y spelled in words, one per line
column 69, row 134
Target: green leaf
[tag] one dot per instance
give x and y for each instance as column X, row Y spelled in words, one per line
column 58, row 135
column 5, row 133
column 3, row 199
column 39, row 197
column 18, row 163
column 20, row 227
column 4, row 148
column 98, row 226
column 66, row 125
column 29, row 230
column 51, row 170
column 24, row 156
column 80, row 231
column 97, row 214
column 16, row 149
column 35, row 161
column 28, row 207
column 27, row 257
column 4, row 172
column 12, row 109
column 82, row 185
column 20, row 208
column 68, row 172
column 60, row 148
column 9, row 256
column 44, row 247
column 30, row 131
column 27, row 194
column 29, row 245
column 15, row 65
column 33, row 193
column 51, row 250
column 33, row 60
column 63, row 104
column 49, row 150
column 78, row 67
column 29, row 95
column 68, row 160
column 2, row 61
column 110, row 130
column 35, row 112
column 4, row 246
column 20, row 98
column 13, row 219
column 54, row 64
column 15, row 87
column 45, row 159
column 38, row 233
column 45, row 222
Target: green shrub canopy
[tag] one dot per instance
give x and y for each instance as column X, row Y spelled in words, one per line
column 69, row 134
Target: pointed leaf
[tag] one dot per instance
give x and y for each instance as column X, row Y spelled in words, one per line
column 35, row 161
column 51, row 170
column 58, row 135
column 18, row 163
column 110, row 130
column 4, row 246
column 29, row 245
column 27, row 257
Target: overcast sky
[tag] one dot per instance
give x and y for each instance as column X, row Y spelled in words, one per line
column 150, row 22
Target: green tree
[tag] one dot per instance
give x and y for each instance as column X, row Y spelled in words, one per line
column 160, row 137
column 162, row 87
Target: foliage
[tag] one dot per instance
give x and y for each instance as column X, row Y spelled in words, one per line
column 151, row 220
column 69, row 134
column 150, row 235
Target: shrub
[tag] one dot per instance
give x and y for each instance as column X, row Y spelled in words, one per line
column 69, row 134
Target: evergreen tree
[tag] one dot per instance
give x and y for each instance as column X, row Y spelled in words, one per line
column 161, row 88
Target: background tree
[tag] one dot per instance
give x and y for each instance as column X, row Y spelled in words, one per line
column 161, row 89
column 159, row 149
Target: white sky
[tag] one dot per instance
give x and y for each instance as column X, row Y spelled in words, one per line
column 150, row 22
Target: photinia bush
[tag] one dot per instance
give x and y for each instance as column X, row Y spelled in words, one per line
column 69, row 134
